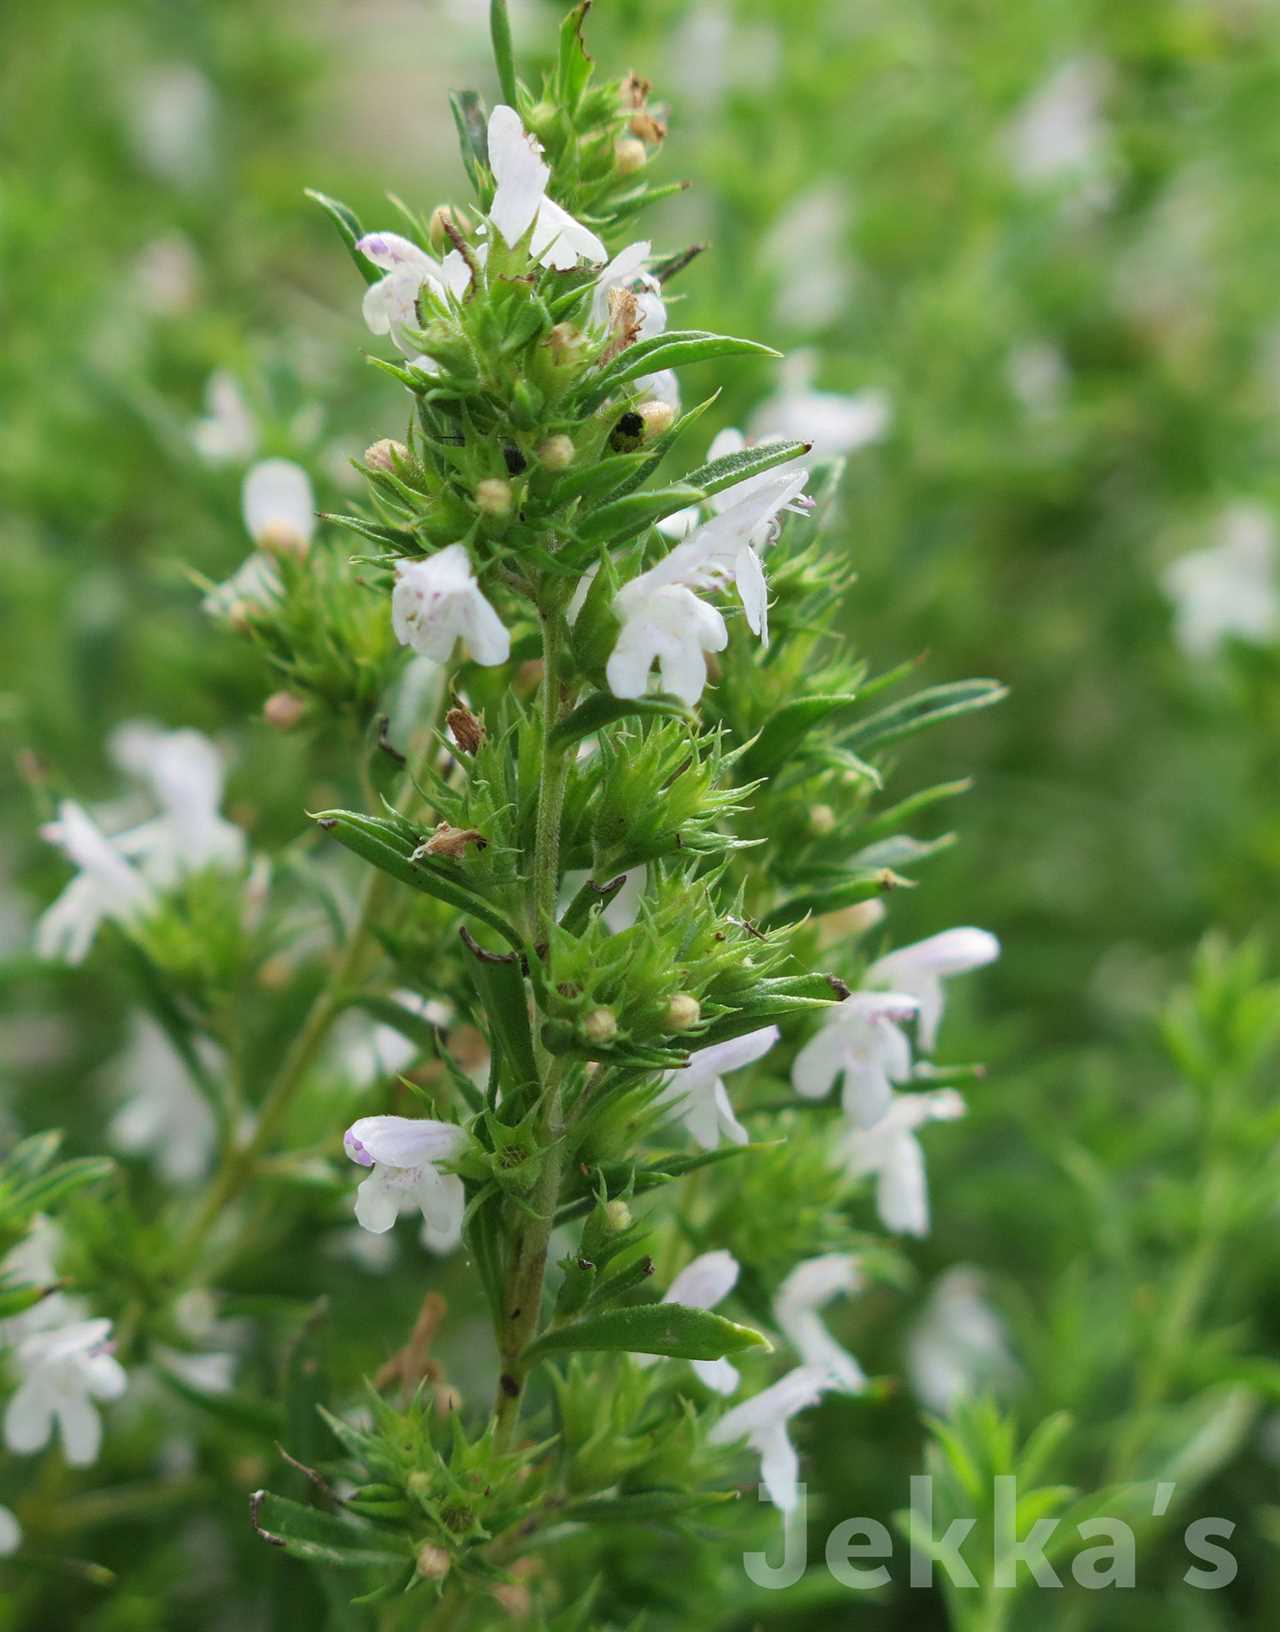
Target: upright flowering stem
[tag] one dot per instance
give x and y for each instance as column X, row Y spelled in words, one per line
column 522, row 1290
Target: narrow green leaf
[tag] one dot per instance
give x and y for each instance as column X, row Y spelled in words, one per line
column 733, row 468
column 38, row 1194
column 784, row 731
column 600, row 709
column 473, row 135
column 675, row 349
column 503, row 56
column 621, row 519
column 242, row 1411
column 574, row 64
column 322, row 1538
column 350, row 231
column 384, row 845
column 654, row 1328
column 926, row 708
column 506, row 1003
column 859, row 886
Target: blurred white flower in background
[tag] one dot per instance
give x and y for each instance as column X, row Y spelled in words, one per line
column 861, row 1040
column 279, row 507
column 33, row 1261
column 1038, row 376
column 762, row 1422
column 162, row 1115
column 62, row 1373
column 10, row 1533
column 228, row 430
column 1059, row 130
column 167, row 275
column 834, row 422
column 1229, row 589
column 889, row 1151
column 920, row 969
column 171, row 115
column 957, row 1346
column 806, row 250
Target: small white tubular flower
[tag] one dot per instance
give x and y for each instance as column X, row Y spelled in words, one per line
column 390, row 305
column 278, row 505
column 10, row 1533
column 63, row 1372
column 958, row 1345
column 890, row 1150
column 703, row 1284
column 795, row 1308
column 861, row 1040
column 920, row 969
column 255, row 582
column 835, row 424
column 1229, row 590
column 762, row 1422
column 699, row 1095
column 438, row 601
column 105, row 887
column 404, row 1153
column 628, row 270
column 185, row 775
column 163, row 1115
column 227, row 431
column 665, row 624
column 521, row 199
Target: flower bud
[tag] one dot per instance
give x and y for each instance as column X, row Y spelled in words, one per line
column 438, row 232
column 630, row 155
column 658, row 417
column 433, row 1562
column 822, row 820
column 683, row 1012
column 600, row 1026
column 646, row 127
column 282, row 539
column 556, row 453
column 382, row 455
column 418, row 1483
column 283, row 710
column 493, row 496
column 617, row 1215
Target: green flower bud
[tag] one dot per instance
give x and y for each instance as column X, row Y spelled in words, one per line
column 600, row 1026
column 822, row 819
column 493, row 496
column 556, row 453
column 617, row 1216
column 438, row 232
column 630, row 155
column 683, row 1012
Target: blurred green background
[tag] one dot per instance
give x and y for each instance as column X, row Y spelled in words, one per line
column 1048, row 233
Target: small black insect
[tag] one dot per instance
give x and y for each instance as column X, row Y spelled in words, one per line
column 517, row 464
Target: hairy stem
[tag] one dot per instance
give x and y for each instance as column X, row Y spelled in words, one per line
column 527, row 1264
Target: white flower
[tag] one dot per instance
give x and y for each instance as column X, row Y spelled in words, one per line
column 663, row 621
column 958, row 1344
column 171, row 112
column 63, row 1372
column 663, row 386
column 390, row 305
column 278, row 505
column 762, row 1422
column 700, row 1097
column 34, row 1262
column 438, row 601
column 628, row 270
column 920, row 969
column 1230, row 589
column 163, row 1113
column 860, row 1038
column 805, row 249
column 795, row 1308
column 119, row 875
column 10, row 1533
column 1038, row 375
column 890, row 1150
column 184, row 773
column 255, row 582
column 227, row 432
column 105, row 887
column 1059, row 129
column 371, row 1051
column 404, row 1153
column 704, row 1283
column 520, row 200
column 835, row 424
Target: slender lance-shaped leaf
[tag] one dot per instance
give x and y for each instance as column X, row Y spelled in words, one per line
column 383, row 844
column 675, row 349
column 600, row 709
column 623, row 518
column 350, row 230
column 733, row 468
column 322, row 1538
column 653, row 1328
column 858, row 886
column 785, row 730
column 926, row 708
column 473, row 136
column 500, row 32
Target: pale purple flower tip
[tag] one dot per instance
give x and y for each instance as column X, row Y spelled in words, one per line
column 356, row 1150
column 372, row 243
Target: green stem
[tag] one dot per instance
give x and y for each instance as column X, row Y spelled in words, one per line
column 526, row 1270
